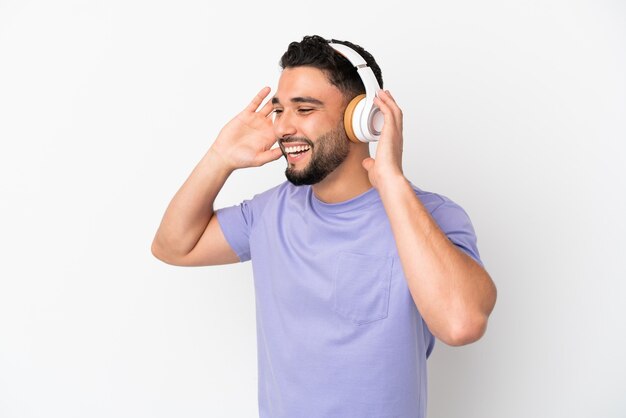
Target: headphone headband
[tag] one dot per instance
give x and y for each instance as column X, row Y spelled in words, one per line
column 366, row 119
column 351, row 55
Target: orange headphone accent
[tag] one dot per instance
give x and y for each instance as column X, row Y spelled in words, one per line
column 348, row 116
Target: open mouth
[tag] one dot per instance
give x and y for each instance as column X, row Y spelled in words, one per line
column 297, row 150
column 296, row 153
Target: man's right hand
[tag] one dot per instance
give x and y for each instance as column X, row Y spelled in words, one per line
column 246, row 141
column 189, row 234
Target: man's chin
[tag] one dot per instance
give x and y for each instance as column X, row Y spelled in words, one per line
column 307, row 178
column 298, row 176
column 297, row 179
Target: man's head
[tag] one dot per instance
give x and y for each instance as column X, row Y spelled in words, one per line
column 314, row 51
column 314, row 89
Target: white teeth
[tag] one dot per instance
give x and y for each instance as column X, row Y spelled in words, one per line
column 298, row 148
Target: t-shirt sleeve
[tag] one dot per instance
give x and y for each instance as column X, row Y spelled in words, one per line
column 456, row 224
column 236, row 222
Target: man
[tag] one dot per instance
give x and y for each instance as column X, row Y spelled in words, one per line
column 356, row 270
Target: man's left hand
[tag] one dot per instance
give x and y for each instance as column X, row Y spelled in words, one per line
column 388, row 162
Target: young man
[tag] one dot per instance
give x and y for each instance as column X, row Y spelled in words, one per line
column 356, row 270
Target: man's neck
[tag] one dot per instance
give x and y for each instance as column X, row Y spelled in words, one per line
column 347, row 181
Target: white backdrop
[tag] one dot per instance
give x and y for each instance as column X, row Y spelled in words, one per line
column 516, row 110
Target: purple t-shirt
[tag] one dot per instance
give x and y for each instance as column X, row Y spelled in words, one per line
column 338, row 333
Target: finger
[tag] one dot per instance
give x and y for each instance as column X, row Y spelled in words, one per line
column 267, row 109
column 258, row 99
column 386, row 97
column 388, row 94
column 392, row 117
column 367, row 163
column 384, row 107
column 269, row 155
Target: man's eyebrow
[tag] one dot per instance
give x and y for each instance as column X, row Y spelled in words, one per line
column 305, row 99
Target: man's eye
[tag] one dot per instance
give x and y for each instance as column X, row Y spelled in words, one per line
column 277, row 111
column 304, row 110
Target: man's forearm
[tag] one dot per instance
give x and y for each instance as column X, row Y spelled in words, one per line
column 453, row 293
column 189, row 212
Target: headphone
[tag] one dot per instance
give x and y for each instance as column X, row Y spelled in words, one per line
column 362, row 119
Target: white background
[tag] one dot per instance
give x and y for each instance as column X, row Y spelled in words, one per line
column 516, row 110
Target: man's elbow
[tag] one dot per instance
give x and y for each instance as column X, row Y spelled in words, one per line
column 466, row 331
column 470, row 325
column 158, row 252
column 163, row 255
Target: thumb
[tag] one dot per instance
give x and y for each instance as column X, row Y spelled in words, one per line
column 269, row 155
column 368, row 163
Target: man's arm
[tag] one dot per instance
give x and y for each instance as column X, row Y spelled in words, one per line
column 189, row 234
column 453, row 293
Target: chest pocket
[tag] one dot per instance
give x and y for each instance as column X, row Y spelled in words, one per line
column 361, row 286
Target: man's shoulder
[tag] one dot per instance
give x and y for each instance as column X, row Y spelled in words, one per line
column 443, row 209
column 438, row 205
column 452, row 219
column 430, row 200
column 277, row 195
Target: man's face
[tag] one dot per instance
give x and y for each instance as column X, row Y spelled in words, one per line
column 308, row 122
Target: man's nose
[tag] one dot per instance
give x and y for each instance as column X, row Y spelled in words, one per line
column 284, row 125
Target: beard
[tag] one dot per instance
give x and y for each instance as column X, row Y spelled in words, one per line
column 329, row 151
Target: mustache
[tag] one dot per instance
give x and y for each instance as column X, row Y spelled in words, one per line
column 292, row 139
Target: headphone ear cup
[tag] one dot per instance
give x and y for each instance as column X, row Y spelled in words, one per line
column 349, row 118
